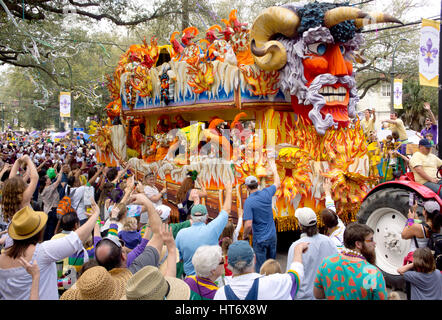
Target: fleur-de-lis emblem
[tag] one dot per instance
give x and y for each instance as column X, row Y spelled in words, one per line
column 429, row 52
column 398, row 92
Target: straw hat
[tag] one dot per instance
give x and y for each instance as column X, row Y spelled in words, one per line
column 150, row 284
column 26, row 223
column 97, row 283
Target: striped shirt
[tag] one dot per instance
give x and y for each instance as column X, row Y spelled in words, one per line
column 201, row 288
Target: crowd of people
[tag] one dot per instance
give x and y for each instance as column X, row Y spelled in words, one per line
column 390, row 156
column 74, row 229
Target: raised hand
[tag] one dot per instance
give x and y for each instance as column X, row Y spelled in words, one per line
column 327, row 185
column 167, row 235
column 32, row 269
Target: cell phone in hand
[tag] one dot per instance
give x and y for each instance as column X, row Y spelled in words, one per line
column 411, row 199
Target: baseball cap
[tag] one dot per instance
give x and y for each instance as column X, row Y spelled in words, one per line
column 118, row 242
column 431, row 206
column 250, row 180
column 198, row 210
column 240, row 251
column 425, row 143
column 306, row 216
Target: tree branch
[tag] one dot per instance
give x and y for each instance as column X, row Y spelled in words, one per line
column 29, row 65
column 368, row 87
column 115, row 20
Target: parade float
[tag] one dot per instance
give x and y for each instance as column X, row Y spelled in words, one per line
column 222, row 101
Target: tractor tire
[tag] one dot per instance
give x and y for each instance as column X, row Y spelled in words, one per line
column 386, row 212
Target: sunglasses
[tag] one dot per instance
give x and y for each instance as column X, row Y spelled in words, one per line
column 369, row 240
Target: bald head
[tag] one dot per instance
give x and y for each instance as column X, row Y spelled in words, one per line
column 109, row 255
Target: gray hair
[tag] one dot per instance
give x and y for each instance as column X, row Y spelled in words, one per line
column 206, row 259
column 242, row 267
column 196, row 219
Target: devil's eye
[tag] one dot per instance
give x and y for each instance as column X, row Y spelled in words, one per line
column 317, row 48
column 342, row 48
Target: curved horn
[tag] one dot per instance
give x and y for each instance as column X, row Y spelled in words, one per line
column 340, row 14
column 269, row 54
column 376, row 17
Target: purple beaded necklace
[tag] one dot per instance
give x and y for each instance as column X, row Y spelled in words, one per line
column 352, row 253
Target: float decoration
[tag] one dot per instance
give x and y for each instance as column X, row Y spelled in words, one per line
column 285, row 82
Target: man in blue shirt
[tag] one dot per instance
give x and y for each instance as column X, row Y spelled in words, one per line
column 258, row 217
column 200, row 234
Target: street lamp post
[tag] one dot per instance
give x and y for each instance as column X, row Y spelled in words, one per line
column 439, row 99
column 2, row 106
column 392, row 73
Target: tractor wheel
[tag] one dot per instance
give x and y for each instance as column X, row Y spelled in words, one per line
column 386, row 211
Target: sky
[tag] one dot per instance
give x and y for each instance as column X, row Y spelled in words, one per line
column 426, row 9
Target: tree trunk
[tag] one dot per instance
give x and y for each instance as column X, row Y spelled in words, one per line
column 185, row 16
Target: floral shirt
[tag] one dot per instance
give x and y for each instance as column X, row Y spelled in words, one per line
column 343, row 279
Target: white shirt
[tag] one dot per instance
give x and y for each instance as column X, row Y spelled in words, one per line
column 337, row 235
column 153, row 191
column 77, row 201
column 39, row 156
column 320, row 247
column 15, row 283
column 278, row 286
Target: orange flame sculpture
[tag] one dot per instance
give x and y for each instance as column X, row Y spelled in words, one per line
column 201, row 75
column 262, row 83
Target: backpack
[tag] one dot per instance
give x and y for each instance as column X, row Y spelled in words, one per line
column 64, row 206
column 435, row 244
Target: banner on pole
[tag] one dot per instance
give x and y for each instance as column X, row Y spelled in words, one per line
column 65, row 104
column 397, row 91
column 429, row 53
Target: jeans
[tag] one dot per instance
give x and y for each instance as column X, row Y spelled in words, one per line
column 435, row 187
column 264, row 250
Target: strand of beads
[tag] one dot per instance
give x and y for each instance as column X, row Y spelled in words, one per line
column 352, row 253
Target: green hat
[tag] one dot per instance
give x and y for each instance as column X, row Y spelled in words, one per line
column 199, row 210
column 51, row 173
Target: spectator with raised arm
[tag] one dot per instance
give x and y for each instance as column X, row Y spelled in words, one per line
column 397, row 125
column 430, row 125
column 190, row 239
column 247, row 284
column 368, row 123
column 26, row 229
column 258, row 217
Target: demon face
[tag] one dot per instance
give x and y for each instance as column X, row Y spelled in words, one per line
column 312, row 46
